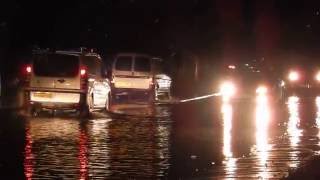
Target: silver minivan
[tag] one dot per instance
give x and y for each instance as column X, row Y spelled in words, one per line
column 66, row 80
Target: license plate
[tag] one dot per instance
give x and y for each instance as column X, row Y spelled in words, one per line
column 43, row 94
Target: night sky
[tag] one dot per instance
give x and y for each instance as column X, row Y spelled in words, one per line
column 232, row 30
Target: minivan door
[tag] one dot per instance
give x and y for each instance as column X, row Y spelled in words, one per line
column 123, row 72
column 123, row 66
column 143, row 72
column 142, row 67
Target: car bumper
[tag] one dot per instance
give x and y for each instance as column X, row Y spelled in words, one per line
column 60, row 106
column 131, row 95
column 62, row 102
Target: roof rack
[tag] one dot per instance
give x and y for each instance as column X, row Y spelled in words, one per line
column 78, row 51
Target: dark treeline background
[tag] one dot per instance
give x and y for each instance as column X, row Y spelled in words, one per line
column 195, row 37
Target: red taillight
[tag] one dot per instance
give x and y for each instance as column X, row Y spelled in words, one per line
column 26, row 74
column 83, row 71
column 84, row 78
column 28, row 69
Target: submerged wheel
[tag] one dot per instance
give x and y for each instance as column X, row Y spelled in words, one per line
column 31, row 111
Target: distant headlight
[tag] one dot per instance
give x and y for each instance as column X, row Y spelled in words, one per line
column 227, row 90
column 262, row 90
column 318, row 76
column 293, row 76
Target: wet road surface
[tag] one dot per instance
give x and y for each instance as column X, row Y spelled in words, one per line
column 254, row 138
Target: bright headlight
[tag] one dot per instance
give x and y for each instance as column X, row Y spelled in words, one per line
column 318, row 76
column 262, row 90
column 227, row 90
column 293, row 76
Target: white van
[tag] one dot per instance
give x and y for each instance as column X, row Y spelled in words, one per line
column 132, row 77
column 66, row 80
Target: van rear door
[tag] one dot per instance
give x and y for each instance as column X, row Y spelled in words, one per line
column 122, row 71
column 123, row 66
column 142, row 66
column 58, row 71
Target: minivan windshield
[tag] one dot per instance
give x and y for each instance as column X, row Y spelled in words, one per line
column 56, row 65
column 142, row 64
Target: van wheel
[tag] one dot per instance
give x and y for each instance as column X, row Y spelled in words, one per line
column 30, row 111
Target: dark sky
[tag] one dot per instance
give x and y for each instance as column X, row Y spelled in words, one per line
column 238, row 28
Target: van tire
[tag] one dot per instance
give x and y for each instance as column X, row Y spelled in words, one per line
column 31, row 111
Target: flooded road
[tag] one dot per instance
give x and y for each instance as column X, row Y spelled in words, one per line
column 254, row 138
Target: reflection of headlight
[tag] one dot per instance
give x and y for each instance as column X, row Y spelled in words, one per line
column 262, row 90
column 318, row 76
column 293, row 76
column 227, row 90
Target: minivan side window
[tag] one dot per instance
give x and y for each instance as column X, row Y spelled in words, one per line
column 142, row 64
column 123, row 63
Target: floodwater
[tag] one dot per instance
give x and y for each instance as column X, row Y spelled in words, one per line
column 253, row 138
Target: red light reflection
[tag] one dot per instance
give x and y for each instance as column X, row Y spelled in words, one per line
column 83, row 159
column 28, row 156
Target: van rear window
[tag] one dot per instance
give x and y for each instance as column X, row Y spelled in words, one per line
column 142, row 64
column 56, row 65
column 124, row 63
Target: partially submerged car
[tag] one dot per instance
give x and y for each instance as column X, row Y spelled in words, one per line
column 65, row 80
column 163, row 81
column 300, row 80
column 245, row 80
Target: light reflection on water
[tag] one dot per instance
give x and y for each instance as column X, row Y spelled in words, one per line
column 294, row 121
column 318, row 112
column 53, row 146
column 69, row 149
column 262, row 118
column 28, row 156
column 140, row 147
column 83, row 159
column 318, row 115
column 293, row 131
column 99, row 148
column 262, row 122
column 227, row 114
